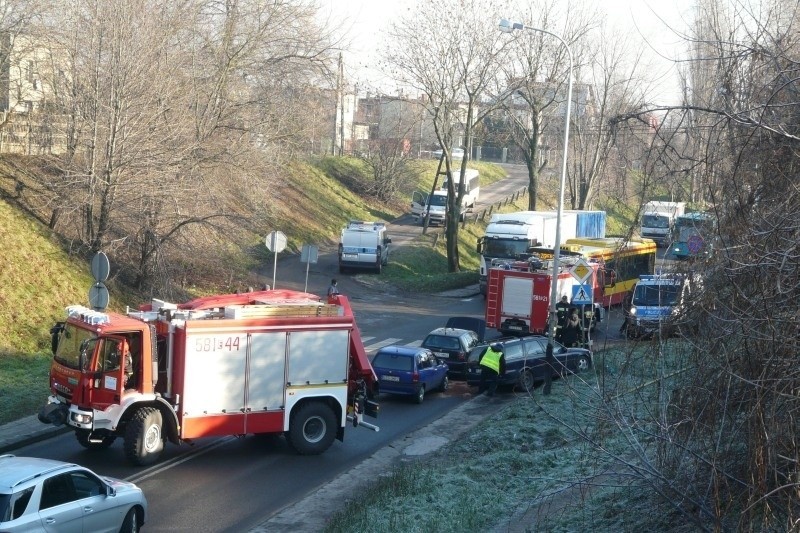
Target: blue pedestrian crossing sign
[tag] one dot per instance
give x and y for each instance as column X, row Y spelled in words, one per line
column 581, row 294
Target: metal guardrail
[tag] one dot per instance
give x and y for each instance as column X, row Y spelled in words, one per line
column 487, row 211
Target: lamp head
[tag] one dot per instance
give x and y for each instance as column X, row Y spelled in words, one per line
column 506, row 26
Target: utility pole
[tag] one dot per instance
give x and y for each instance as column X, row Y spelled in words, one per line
column 337, row 108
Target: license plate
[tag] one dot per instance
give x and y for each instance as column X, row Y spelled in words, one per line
column 390, row 378
column 515, row 327
column 350, row 256
column 441, row 354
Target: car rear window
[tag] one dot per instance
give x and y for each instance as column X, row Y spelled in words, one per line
column 442, row 341
column 391, row 361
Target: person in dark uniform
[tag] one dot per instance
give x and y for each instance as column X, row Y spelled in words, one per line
column 562, row 311
column 627, row 303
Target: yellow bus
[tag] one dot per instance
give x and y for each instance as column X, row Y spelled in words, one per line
column 622, row 262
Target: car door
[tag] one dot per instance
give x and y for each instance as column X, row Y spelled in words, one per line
column 535, row 353
column 100, row 512
column 418, row 201
column 59, row 508
column 426, row 366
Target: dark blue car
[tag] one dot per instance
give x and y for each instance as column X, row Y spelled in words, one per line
column 525, row 363
column 410, row 371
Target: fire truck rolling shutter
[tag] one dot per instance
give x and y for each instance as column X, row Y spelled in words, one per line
column 267, row 371
column 318, row 357
column 517, row 294
column 214, row 375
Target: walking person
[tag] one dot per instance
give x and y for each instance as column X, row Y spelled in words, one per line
column 492, row 364
column 627, row 303
column 333, row 288
column 573, row 332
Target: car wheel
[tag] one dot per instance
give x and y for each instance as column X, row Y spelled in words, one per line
column 445, row 384
column 583, row 364
column 144, row 436
column 526, row 380
column 90, row 442
column 420, row 394
column 312, row 429
column 131, row 522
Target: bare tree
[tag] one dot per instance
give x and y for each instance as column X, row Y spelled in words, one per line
column 449, row 51
column 536, row 74
column 726, row 430
column 177, row 115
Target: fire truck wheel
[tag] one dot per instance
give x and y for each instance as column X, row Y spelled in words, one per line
column 526, row 380
column 312, row 429
column 90, row 442
column 144, row 436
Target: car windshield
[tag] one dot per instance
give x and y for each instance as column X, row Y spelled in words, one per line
column 505, row 248
column 71, row 343
column 441, row 341
column 392, row 361
column 439, row 200
column 655, row 221
column 655, row 295
column 476, row 353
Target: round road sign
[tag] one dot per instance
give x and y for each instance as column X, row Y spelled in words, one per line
column 276, row 241
column 100, row 267
column 98, row 296
column 694, row 244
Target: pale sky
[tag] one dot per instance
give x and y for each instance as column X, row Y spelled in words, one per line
column 367, row 18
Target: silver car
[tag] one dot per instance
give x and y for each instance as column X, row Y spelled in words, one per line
column 46, row 495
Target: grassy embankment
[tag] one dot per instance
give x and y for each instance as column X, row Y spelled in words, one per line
column 565, row 462
column 38, row 278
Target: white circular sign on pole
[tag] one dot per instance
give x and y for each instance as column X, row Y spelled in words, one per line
column 276, row 241
column 98, row 296
column 100, row 267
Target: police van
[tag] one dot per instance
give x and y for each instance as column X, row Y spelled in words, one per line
column 660, row 303
column 364, row 245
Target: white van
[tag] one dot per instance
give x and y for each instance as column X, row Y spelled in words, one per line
column 434, row 206
column 364, row 245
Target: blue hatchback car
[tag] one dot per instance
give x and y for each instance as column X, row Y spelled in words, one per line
column 410, row 371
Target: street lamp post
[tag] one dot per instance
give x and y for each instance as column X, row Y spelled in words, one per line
column 508, row 27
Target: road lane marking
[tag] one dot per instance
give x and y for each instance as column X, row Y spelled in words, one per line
column 381, row 344
column 196, row 452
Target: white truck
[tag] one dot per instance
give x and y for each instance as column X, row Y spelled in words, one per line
column 658, row 219
column 364, row 245
column 509, row 235
column 434, row 206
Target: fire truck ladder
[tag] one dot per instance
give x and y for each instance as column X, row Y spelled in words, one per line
column 492, row 298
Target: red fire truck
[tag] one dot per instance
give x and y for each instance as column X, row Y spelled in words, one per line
column 518, row 297
column 266, row 362
column 518, row 293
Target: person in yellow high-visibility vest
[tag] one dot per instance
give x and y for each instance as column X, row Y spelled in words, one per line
column 492, row 365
